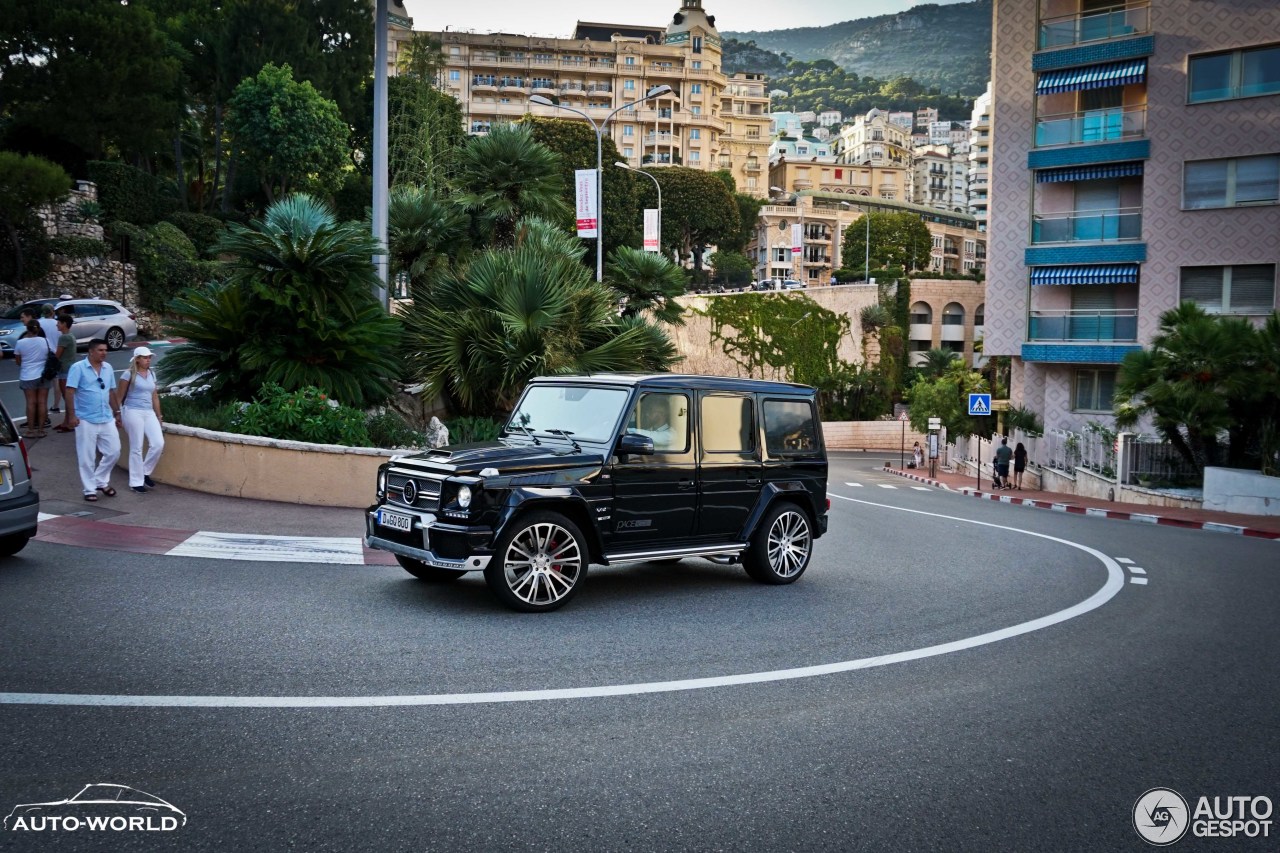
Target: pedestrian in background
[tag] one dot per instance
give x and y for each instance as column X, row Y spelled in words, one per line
column 1003, row 455
column 93, row 411
column 1019, row 465
column 140, row 402
column 917, row 456
column 31, row 352
column 49, row 326
column 66, row 353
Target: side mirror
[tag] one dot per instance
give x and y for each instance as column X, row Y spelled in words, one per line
column 635, row 444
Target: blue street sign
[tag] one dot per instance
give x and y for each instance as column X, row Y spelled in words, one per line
column 979, row 404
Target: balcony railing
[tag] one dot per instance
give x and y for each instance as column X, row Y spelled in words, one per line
column 1119, row 324
column 1088, row 226
column 1091, row 126
column 1123, row 19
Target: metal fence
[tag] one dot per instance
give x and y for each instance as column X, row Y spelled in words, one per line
column 1154, row 462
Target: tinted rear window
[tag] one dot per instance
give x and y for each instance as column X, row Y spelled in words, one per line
column 8, row 434
column 790, row 427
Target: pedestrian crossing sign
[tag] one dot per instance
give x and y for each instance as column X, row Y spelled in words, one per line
column 979, row 404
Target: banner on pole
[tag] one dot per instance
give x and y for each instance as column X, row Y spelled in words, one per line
column 651, row 230
column 797, row 240
column 588, row 195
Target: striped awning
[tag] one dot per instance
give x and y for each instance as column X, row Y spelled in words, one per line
column 1092, row 274
column 1089, row 173
column 1092, row 77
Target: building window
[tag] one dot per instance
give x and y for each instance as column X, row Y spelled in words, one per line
column 695, row 156
column 1237, row 74
column 695, row 88
column 629, row 85
column 631, row 60
column 455, row 76
column 628, row 131
column 697, row 65
column 1245, row 289
column 751, row 183
column 697, row 44
column 1231, row 183
column 695, row 133
column 802, row 149
column 628, row 152
column 1093, row 390
column 697, row 111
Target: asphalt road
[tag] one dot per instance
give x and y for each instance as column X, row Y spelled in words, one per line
column 1017, row 740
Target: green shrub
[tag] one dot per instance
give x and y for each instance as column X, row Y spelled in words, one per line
column 390, row 430
column 130, row 194
column 78, row 247
column 468, row 429
column 167, row 262
column 203, row 231
column 303, row 415
column 198, row 411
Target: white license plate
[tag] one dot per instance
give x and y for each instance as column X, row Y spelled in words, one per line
column 395, row 520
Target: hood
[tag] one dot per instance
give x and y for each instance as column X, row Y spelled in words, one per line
column 508, row 458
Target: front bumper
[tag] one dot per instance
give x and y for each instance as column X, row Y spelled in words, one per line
column 456, row 549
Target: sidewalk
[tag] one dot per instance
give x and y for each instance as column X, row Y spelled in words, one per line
column 1262, row 526
column 180, row 522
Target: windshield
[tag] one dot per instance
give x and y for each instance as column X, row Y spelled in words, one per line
column 586, row 414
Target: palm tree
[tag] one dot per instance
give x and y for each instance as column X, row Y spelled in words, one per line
column 506, row 175
column 299, row 295
column 936, row 363
column 648, row 283
column 520, row 312
column 424, row 233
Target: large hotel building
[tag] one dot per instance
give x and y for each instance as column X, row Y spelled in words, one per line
column 710, row 121
column 1135, row 163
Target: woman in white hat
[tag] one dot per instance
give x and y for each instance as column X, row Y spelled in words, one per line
column 140, row 406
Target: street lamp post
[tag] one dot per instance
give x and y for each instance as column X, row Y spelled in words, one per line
column 655, row 92
column 658, row 187
column 380, row 195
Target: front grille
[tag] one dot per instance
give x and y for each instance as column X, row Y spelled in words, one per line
column 428, row 490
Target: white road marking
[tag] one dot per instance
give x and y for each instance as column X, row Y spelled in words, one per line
column 922, row 488
column 855, row 485
column 886, row 486
column 1139, row 581
column 1124, row 560
column 1112, row 586
column 1137, row 571
column 345, row 550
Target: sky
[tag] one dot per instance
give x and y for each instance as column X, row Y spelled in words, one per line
column 558, row 17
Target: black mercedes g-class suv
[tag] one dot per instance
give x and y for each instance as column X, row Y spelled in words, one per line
column 612, row 469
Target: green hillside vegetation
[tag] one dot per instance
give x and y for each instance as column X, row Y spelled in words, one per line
column 942, row 47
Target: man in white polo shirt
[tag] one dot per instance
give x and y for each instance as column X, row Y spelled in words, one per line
column 94, row 413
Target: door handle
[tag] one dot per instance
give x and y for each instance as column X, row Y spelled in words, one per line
column 685, row 484
column 753, row 482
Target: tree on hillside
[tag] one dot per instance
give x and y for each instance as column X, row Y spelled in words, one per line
column 25, row 184
column 575, row 142
column 506, row 175
column 947, row 398
column 99, row 76
column 288, row 135
column 697, row 211
column 897, row 240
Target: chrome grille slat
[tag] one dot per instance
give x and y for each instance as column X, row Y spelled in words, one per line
column 428, row 489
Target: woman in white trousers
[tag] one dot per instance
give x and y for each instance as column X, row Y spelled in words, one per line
column 140, row 405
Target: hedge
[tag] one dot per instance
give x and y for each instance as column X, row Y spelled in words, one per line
column 131, row 195
column 204, row 231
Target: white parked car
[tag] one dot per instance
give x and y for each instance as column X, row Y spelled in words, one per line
column 94, row 318
column 792, row 284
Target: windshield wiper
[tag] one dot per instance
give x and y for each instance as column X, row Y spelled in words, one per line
column 525, row 430
column 567, row 435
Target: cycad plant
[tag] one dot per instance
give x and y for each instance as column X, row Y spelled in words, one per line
column 520, row 312
column 301, row 283
column 506, row 175
column 648, row 283
column 424, row 233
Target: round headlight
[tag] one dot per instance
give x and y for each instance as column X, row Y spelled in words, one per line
column 382, row 480
column 464, row 496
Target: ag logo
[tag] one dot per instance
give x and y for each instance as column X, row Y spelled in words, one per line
column 1160, row 816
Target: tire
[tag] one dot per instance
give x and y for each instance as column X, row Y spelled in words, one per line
column 423, row 572
column 782, row 546
column 114, row 338
column 13, row 543
column 539, row 564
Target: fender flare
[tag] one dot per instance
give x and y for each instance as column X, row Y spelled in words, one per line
column 792, row 491
column 566, row 500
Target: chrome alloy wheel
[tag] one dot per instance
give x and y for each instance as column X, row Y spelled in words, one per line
column 542, row 564
column 789, row 544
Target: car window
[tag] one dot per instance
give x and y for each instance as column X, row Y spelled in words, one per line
column 8, row 433
column 664, row 417
column 789, row 427
column 727, row 424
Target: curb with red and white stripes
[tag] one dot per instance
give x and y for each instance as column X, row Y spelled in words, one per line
column 1097, row 512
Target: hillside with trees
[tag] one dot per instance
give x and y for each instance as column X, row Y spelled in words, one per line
column 947, row 48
